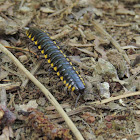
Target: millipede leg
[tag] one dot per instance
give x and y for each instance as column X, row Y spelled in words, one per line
column 77, row 99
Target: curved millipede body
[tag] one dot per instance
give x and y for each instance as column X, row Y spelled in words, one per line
column 55, row 57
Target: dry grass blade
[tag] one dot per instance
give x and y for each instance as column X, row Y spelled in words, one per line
column 16, row 48
column 33, row 71
column 45, row 91
column 10, row 86
column 80, row 45
column 116, row 98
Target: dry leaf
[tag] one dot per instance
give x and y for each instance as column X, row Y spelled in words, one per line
column 137, row 38
column 3, row 74
column 46, row 10
column 30, row 104
column 5, row 6
column 137, row 126
column 123, row 11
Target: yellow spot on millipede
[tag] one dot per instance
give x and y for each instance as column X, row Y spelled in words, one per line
column 73, row 88
column 68, row 59
column 55, row 68
column 54, row 42
column 82, row 80
column 39, row 47
column 35, row 42
column 77, row 72
column 42, row 51
column 45, row 56
column 58, row 47
column 52, row 64
column 64, row 81
column 74, row 68
column 69, row 87
column 33, row 38
column 70, row 63
column 67, row 84
column 61, row 78
column 27, row 33
column 30, row 36
column 49, row 61
column 58, row 73
column 61, row 51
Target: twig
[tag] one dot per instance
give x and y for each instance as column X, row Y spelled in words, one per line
column 70, row 113
column 132, row 77
column 61, row 34
column 45, row 91
column 21, row 4
column 32, row 72
column 16, row 48
column 116, row 98
column 87, row 52
column 73, row 112
column 83, row 66
column 10, row 86
column 57, row 12
column 81, row 45
column 82, row 34
column 113, row 41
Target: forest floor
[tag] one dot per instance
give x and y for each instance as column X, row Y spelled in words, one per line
column 102, row 40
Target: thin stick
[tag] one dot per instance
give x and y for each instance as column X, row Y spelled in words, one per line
column 33, row 71
column 82, row 65
column 16, row 48
column 100, row 29
column 46, row 93
column 81, row 45
column 116, row 98
column 57, row 12
column 61, row 34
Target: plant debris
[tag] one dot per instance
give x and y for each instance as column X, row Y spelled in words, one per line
column 45, row 127
column 102, row 40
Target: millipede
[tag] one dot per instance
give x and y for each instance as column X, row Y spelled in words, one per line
column 57, row 59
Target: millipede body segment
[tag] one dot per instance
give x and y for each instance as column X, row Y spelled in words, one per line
column 55, row 57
